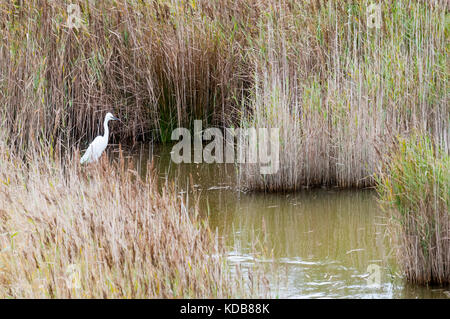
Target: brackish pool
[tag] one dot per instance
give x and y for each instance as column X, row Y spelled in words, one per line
column 323, row 243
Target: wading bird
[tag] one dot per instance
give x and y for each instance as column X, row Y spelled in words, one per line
column 99, row 144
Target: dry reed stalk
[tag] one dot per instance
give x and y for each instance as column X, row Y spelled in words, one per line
column 102, row 232
column 340, row 91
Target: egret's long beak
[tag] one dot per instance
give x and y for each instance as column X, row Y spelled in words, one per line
column 115, row 118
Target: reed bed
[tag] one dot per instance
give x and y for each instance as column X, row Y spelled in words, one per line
column 155, row 64
column 414, row 187
column 340, row 91
column 103, row 232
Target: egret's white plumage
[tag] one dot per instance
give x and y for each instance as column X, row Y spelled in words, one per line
column 99, row 144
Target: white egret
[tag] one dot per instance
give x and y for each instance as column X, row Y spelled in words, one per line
column 99, row 144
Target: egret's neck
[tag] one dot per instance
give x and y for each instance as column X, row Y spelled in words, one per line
column 105, row 126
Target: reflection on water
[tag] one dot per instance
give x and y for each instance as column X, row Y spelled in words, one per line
column 322, row 241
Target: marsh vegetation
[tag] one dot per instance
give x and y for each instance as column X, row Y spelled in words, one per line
column 356, row 107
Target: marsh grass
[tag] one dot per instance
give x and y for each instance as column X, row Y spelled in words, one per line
column 414, row 187
column 341, row 92
column 338, row 91
column 102, row 231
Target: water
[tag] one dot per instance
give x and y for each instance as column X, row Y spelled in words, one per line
column 323, row 243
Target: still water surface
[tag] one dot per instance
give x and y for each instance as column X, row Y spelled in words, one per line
column 323, row 242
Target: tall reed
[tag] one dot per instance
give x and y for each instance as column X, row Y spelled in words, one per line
column 414, row 187
column 339, row 90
